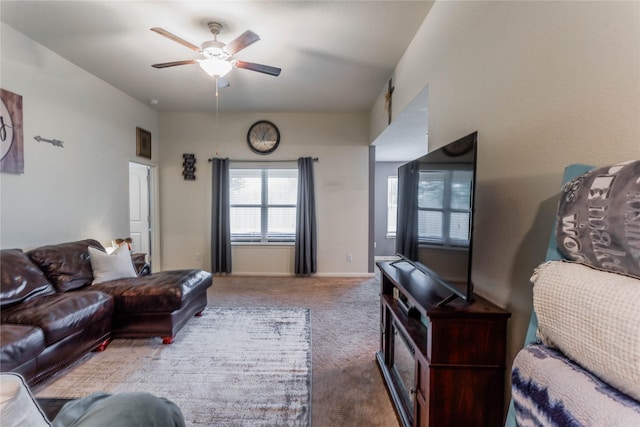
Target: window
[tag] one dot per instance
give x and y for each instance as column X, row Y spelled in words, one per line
column 392, row 205
column 444, row 207
column 263, row 205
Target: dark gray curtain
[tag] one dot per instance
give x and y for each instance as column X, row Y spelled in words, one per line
column 407, row 230
column 220, row 228
column 306, row 238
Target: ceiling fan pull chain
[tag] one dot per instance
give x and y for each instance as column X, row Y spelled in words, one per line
column 217, row 121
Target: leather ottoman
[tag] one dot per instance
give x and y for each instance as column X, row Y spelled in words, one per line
column 156, row 305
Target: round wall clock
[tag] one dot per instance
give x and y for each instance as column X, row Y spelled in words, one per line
column 263, row 137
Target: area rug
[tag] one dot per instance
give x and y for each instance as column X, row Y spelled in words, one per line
column 230, row 367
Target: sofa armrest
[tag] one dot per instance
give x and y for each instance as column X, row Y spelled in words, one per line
column 140, row 264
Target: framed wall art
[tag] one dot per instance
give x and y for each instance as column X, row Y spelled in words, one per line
column 143, row 143
column 11, row 133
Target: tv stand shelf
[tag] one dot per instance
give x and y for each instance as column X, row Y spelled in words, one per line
column 443, row 365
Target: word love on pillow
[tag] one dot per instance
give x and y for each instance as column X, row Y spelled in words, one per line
column 599, row 218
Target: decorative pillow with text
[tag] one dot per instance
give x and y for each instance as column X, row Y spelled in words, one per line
column 599, row 218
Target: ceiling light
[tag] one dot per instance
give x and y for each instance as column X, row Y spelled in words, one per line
column 214, row 49
column 216, row 67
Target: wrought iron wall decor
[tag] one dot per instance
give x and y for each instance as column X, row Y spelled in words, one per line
column 189, row 166
column 54, row 142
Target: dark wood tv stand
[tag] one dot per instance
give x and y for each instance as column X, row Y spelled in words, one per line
column 458, row 349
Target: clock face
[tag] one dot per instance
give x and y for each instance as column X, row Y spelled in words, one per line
column 263, row 137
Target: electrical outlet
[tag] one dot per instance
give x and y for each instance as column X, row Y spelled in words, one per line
column 198, row 256
column 349, row 258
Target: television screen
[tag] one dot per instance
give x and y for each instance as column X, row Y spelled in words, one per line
column 435, row 214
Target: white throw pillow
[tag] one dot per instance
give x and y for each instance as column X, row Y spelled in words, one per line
column 117, row 265
column 17, row 406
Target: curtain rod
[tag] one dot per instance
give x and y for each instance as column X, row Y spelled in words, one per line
column 315, row 159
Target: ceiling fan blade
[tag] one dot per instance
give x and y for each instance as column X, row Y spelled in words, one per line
column 174, row 63
column 175, row 38
column 243, row 40
column 266, row 69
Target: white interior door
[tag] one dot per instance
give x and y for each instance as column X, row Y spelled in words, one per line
column 139, row 203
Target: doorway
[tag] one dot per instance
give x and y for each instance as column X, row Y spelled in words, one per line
column 140, row 209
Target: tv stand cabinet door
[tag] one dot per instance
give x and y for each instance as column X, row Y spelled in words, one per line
column 463, row 396
column 421, row 416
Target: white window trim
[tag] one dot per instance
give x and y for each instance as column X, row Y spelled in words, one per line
column 264, row 206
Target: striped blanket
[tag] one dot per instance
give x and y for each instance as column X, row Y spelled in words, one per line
column 550, row 390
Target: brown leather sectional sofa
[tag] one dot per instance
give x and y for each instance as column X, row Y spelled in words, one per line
column 51, row 314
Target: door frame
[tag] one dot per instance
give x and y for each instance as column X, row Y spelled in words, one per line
column 154, row 209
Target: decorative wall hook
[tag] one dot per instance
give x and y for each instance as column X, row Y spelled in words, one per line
column 189, row 167
column 55, row 142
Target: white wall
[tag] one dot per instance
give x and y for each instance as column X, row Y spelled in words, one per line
column 81, row 190
column 340, row 141
column 545, row 84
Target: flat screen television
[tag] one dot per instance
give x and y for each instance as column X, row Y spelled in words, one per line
column 435, row 215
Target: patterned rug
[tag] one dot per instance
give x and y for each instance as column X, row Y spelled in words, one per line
column 230, row 367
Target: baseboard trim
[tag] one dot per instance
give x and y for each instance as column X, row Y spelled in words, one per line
column 272, row 274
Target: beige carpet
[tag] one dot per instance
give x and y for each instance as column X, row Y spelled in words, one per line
column 347, row 388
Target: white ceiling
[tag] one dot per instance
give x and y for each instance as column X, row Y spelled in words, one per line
column 335, row 55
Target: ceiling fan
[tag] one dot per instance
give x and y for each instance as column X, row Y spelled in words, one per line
column 218, row 57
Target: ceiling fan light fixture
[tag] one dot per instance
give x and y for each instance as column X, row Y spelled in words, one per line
column 216, row 67
column 214, row 49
